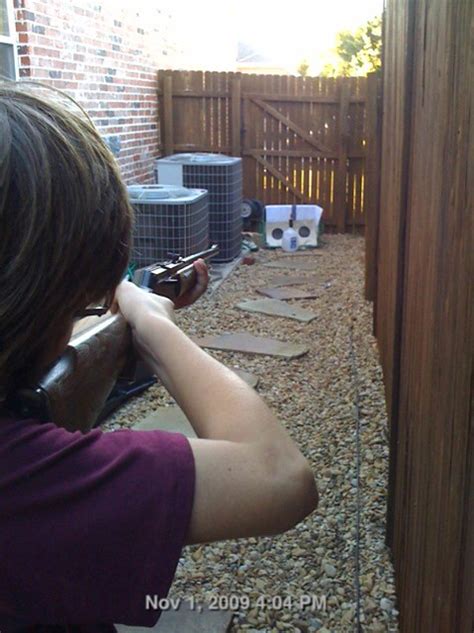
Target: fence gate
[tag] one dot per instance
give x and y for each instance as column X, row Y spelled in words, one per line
column 302, row 139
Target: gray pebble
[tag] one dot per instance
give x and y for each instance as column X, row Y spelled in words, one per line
column 329, row 570
column 386, row 604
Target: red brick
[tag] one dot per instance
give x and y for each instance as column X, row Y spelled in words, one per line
column 27, row 15
column 118, row 87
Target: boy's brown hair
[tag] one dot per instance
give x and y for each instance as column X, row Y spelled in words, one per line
column 65, row 223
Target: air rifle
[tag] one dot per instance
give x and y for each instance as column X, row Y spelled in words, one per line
column 73, row 390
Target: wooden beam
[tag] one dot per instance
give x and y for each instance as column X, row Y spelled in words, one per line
column 281, row 177
column 236, row 115
column 297, row 153
column 298, row 98
column 191, row 147
column 292, row 126
column 168, row 114
column 265, row 97
column 198, row 94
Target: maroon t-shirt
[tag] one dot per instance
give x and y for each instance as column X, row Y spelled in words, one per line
column 89, row 524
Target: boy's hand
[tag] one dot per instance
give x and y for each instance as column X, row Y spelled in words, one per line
column 202, row 281
column 134, row 302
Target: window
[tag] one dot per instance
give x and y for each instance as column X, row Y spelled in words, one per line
column 8, row 58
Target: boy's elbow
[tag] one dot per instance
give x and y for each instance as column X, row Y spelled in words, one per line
column 311, row 495
column 297, row 498
column 306, row 495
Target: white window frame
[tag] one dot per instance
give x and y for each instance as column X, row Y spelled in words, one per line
column 11, row 39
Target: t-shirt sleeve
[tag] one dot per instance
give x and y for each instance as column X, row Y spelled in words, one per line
column 98, row 524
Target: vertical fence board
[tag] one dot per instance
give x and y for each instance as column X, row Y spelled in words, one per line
column 236, row 114
column 341, row 180
column 307, row 124
column 266, row 140
column 291, row 108
column 215, row 108
column 197, row 113
column 167, row 118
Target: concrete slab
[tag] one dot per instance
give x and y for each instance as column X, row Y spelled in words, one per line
column 250, row 379
column 166, row 419
column 286, row 293
column 186, row 620
column 274, row 307
column 250, row 344
column 286, row 280
column 299, row 263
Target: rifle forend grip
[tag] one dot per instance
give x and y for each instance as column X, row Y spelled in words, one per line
column 178, row 285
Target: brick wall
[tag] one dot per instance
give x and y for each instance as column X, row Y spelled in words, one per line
column 105, row 55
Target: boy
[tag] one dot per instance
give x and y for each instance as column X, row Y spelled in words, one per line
column 91, row 524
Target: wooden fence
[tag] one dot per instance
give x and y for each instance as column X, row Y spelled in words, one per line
column 302, row 139
column 420, row 255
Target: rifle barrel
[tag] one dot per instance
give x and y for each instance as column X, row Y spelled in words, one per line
column 189, row 259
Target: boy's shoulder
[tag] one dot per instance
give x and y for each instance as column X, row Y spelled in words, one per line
column 91, row 523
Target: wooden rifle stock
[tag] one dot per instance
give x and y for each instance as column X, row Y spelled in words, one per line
column 73, row 390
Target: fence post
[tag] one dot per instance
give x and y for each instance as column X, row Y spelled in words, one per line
column 372, row 185
column 236, row 120
column 340, row 195
column 168, row 113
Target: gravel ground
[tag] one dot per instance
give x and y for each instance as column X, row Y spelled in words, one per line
column 333, row 567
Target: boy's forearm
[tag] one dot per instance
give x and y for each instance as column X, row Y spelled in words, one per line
column 218, row 403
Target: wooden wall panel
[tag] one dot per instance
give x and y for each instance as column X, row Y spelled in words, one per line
column 397, row 96
column 425, row 308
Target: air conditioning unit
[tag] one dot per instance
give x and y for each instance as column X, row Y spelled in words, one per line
column 222, row 176
column 306, row 223
column 168, row 219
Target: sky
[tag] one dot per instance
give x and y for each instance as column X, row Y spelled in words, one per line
column 286, row 32
column 298, row 29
